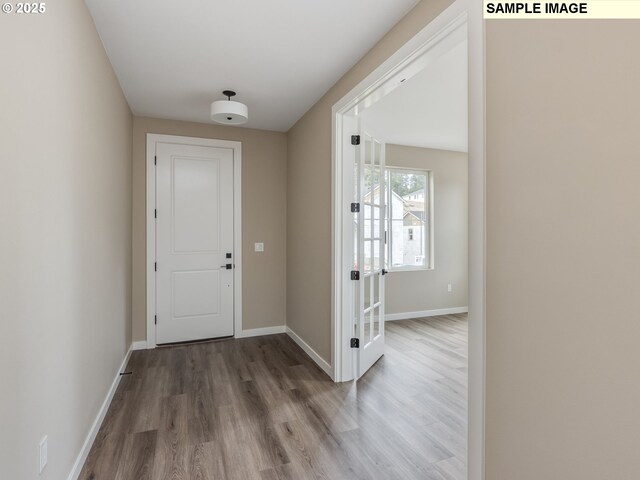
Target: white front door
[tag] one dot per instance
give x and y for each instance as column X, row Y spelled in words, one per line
column 194, row 235
column 370, row 252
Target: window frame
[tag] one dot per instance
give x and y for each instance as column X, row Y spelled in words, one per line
column 428, row 248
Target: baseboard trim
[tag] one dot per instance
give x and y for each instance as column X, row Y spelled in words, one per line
column 258, row 332
column 390, row 317
column 97, row 423
column 321, row 362
column 140, row 345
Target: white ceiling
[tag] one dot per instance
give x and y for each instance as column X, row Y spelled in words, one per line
column 173, row 58
column 428, row 110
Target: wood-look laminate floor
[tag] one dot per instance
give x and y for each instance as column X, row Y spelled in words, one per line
column 259, row 408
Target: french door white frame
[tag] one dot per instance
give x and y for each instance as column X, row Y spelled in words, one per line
column 236, row 147
column 406, row 62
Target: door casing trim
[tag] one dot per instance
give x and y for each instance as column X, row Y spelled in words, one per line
column 152, row 140
column 373, row 88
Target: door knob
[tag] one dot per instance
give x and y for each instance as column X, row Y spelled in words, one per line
column 228, row 266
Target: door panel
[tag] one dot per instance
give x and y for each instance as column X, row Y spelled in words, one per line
column 195, row 205
column 194, row 234
column 370, row 248
column 192, row 293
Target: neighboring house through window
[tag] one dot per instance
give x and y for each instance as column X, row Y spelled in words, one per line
column 408, row 222
column 408, row 239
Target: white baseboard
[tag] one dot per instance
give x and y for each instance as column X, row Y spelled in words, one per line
column 257, row 332
column 389, row 317
column 93, row 432
column 326, row 368
column 140, row 345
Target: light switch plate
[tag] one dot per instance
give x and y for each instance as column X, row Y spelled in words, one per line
column 259, row 247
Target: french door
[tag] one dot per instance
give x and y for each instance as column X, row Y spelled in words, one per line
column 369, row 249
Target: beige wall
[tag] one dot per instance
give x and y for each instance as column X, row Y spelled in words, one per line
column 65, row 236
column 415, row 291
column 264, row 165
column 309, row 191
column 563, row 250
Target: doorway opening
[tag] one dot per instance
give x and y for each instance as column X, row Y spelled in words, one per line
column 194, row 239
column 408, row 229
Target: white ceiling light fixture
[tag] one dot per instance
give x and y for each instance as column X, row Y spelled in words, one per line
column 229, row 112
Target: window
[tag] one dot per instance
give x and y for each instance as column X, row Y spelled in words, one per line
column 409, row 220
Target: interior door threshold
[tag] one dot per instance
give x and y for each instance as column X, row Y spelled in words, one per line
column 193, row 342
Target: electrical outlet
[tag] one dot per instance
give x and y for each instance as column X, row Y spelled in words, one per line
column 449, row 288
column 43, row 453
column 259, row 247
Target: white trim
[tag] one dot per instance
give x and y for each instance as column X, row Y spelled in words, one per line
column 477, row 242
column 141, row 345
column 97, row 423
column 390, row 317
column 321, row 362
column 237, row 235
column 258, row 332
column 405, row 63
column 152, row 140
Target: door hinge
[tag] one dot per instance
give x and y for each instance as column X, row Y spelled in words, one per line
column 355, row 343
column 155, row 213
column 155, row 319
column 355, row 207
column 155, row 266
column 355, row 139
column 355, row 275
column 155, row 160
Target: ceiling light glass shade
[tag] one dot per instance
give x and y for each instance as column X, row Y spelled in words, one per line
column 229, row 112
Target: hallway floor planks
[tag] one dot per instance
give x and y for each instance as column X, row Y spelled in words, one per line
column 259, row 408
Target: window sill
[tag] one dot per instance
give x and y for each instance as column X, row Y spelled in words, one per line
column 410, row 269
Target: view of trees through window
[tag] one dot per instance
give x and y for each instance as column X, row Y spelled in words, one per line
column 402, row 184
